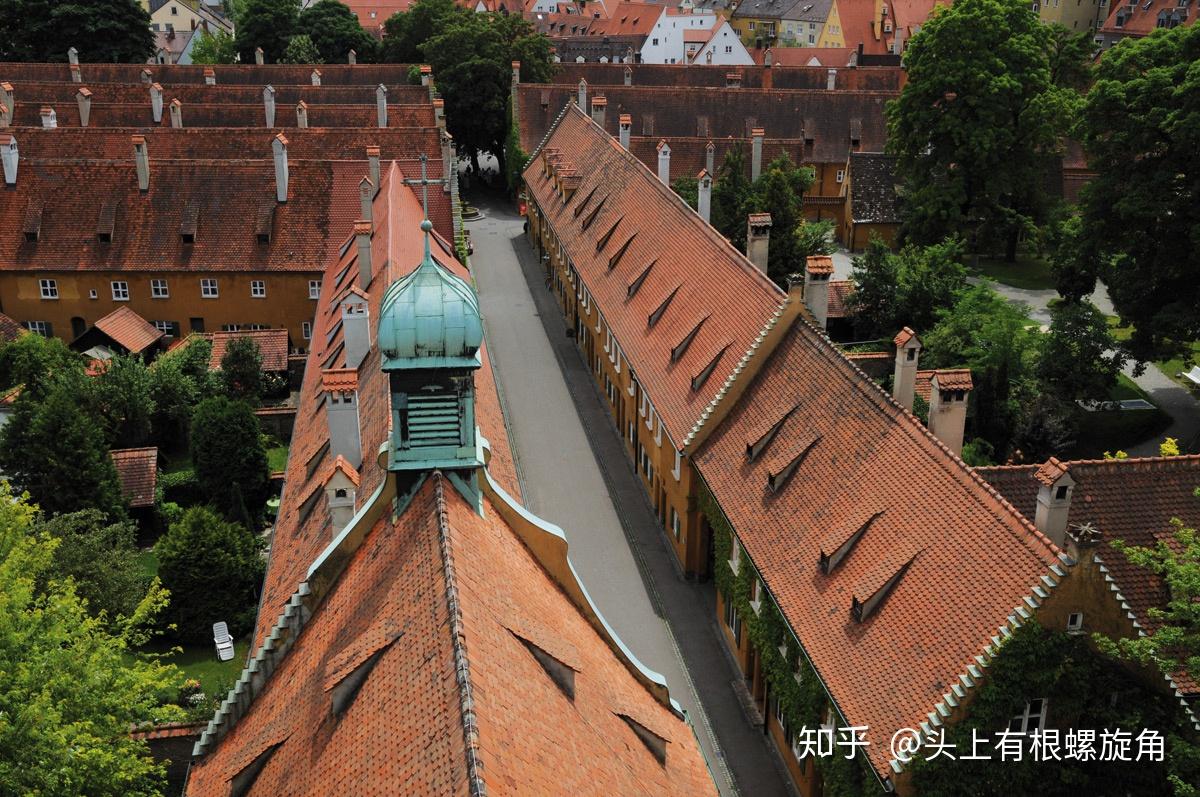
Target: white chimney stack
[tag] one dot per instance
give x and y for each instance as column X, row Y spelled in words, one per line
column 1055, row 487
column 9, row 155
column 704, row 195
column 373, row 162
column 904, row 377
column 49, row 118
column 156, row 102
column 381, row 111
column 76, row 74
column 352, row 57
column 756, row 152
column 948, row 406
column 817, row 272
column 628, row 76
column 210, row 76
column 710, row 157
column 341, row 489
column 341, row 413
column 269, row 105
column 258, row 55
column 302, row 114
column 599, row 106
column 439, row 113
column 582, row 98
column 315, row 77
column 141, row 157
column 73, row 57
column 426, row 75
column 176, row 112
column 758, row 239
column 626, row 125
column 366, row 195
column 83, row 98
column 362, row 237
column 831, row 80
column 8, row 101
column 147, row 77
column 356, row 328
column 279, row 149
column 664, row 162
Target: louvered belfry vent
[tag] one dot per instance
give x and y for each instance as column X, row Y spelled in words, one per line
column 432, row 419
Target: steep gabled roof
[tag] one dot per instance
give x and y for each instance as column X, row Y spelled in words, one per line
column 129, row 330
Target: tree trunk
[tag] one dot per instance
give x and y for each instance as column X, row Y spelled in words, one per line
column 1010, row 247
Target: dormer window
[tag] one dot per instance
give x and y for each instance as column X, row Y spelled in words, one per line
column 1075, row 623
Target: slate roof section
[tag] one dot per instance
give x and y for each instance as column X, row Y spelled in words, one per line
column 272, row 346
column 690, row 259
column 137, row 471
column 890, row 670
column 1124, row 499
column 873, row 188
column 129, row 330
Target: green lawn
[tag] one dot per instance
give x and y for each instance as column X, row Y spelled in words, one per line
column 149, row 562
column 277, row 458
column 1029, row 273
column 200, row 662
column 1172, row 368
column 1119, row 430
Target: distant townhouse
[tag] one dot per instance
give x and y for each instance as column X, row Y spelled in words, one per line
column 1126, row 19
column 805, row 23
column 1085, row 15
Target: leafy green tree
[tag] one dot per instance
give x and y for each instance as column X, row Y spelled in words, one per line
column 174, row 393
column 214, row 47
column 72, row 686
column 102, row 559
column 688, row 189
column 779, row 190
column 57, row 453
column 1070, row 57
column 241, row 370
column 875, row 300
column 334, row 31
column 977, row 123
column 102, row 31
column 1140, row 126
column 268, row 24
column 194, row 361
column 1078, row 358
column 814, row 238
column 1044, row 428
column 909, row 288
column 730, row 196
column 124, row 402
column 30, row 359
column 213, row 569
column 301, row 50
column 227, row 450
column 406, row 31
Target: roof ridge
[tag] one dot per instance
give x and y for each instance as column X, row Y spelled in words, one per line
column 462, row 669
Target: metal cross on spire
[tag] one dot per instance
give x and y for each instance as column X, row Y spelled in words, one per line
column 425, row 182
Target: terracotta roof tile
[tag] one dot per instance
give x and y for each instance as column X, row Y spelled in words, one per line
column 953, row 378
column 819, row 264
column 9, row 329
column 340, row 464
column 129, row 330
column 1141, row 18
column 904, row 336
column 272, row 345
column 839, row 290
column 862, row 78
column 343, row 379
column 137, row 471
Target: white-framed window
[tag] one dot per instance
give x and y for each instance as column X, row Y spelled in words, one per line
column 1075, row 623
column 729, row 48
column 314, row 289
column 165, row 327
column 608, row 343
column 256, row 327
column 650, row 415
column 751, row 24
column 306, row 330
column 120, row 290
column 756, row 593
column 208, row 288
column 733, row 622
column 675, row 523
column 841, row 175
column 616, row 356
column 39, row 327
column 258, row 289
column 735, row 556
column 678, row 462
column 1032, row 718
column 654, row 42
column 93, row 294
column 658, row 433
column 49, row 289
column 230, row 327
column 159, row 289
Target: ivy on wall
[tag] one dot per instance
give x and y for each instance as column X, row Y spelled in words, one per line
column 803, row 699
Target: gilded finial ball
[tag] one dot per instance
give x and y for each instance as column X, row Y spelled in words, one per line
column 426, row 225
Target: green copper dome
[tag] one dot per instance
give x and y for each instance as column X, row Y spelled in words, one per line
column 430, row 319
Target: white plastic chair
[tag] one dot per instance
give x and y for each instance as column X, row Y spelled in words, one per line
column 1193, row 375
column 223, row 641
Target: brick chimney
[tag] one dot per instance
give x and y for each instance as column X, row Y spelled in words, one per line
column 948, row 406
column 352, row 57
column 817, row 271
column 625, row 125
column 302, row 114
column 710, row 157
column 340, row 386
column 581, row 97
column 756, row 147
column 831, row 80
column 664, row 162
column 73, row 56
column 904, row 378
column 279, row 150
column 373, row 163
column 156, row 102
column 341, row 490
column 628, row 76
column 704, row 194
column 269, row 105
column 356, row 328
column 258, row 55
column 9, row 156
column 1055, row 487
column 758, row 239
column 362, row 237
column 210, row 76
column 49, row 118
column 141, row 159
column 381, row 111
column 366, row 195
column 315, row 77
column 83, row 98
column 599, row 105
column 76, row 74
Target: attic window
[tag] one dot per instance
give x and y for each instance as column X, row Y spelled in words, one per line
column 604, row 239
column 829, row 562
column 187, row 225
column 33, row 220
column 656, row 744
column 241, row 783
column 616, row 258
column 106, row 221
column 776, row 481
column 264, row 222
column 309, row 504
column 342, row 696
column 699, row 379
column 682, row 347
column 315, row 460
column 580, row 207
column 637, row 283
column 865, row 608
column 562, row 674
column 592, row 216
column 753, row 450
column 662, row 308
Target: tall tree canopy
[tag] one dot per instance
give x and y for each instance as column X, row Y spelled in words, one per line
column 779, row 190
column 102, row 558
column 893, row 290
column 241, row 370
column 334, row 31
column 71, row 687
column 227, row 452
column 1140, row 126
column 268, row 24
column 977, row 123
column 101, row 30
column 216, row 47
column 123, row 399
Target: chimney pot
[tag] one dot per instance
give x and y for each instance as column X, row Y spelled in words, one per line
column 758, row 239
column 582, row 94
column 315, row 77
column 904, row 378
column 156, row 102
column 8, row 102
column 628, row 76
column 381, row 109
column 83, row 98
column 704, row 195
column 362, row 237
column 210, row 76
column 302, row 114
column 9, row 156
column 341, row 413
column 626, row 125
column 279, row 149
column 373, row 160
column 664, row 162
column 49, row 117
column 599, row 105
column 73, row 56
column 831, row 80
column 817, row 272
column 1055, row 487
column 366, row 193
column 176, row 113
column 516, row 71
column 258, row 55
column 147, row 76
column 269, row 105
column 948, row 408
column 352, row 57
column 756, row 152
column 76, row 75
column 426, row 75
column 141, row 157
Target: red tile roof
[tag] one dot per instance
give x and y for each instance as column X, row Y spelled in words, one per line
column 272, row 345
column 692, row 269
column 871, row 78
column 953, row 378
column 343, row 379
column 137, row 471
column 9, row 329
column 286, row 96
column 868, row 458
column 1133, row 500
column 1141, row 18
column 819, row 264
column 627, row 19
column 904, row 336
column 340, row 464
column 839, row 290
column 226, row 74
column 804, row 56
column 129, row 330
